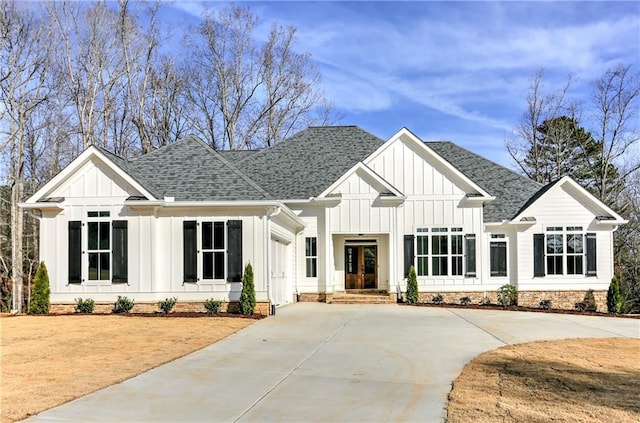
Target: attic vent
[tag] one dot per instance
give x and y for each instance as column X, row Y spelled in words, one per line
column 52, row 200
column 605, row 218
column 387, row 194
column 528, row 219
column 473, row 195
column 137, row 198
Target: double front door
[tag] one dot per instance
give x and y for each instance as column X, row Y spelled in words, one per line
column 361, row 264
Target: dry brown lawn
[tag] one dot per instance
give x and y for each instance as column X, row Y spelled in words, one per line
column 48, row 360
column 580, row 380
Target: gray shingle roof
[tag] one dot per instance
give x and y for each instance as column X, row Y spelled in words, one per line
column 307, row 163
column 191, row 171
column 511, row 189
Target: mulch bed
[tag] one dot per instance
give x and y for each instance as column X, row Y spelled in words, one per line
column 529, row 309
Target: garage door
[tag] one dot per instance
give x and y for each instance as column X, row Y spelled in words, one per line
column 280, row 275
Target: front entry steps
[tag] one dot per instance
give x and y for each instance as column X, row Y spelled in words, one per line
column 362, row 297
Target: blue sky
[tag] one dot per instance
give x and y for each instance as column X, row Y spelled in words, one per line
column 457, row 71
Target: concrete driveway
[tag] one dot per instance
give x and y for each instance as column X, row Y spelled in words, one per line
column 329, row 363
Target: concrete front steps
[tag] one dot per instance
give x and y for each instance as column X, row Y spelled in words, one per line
column 362, row 297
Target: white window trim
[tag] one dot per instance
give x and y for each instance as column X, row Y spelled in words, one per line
column 429, row 232
column 304, row 254
column 85, row 248
column 504, row 239
column 564, row 231
column 201, row 251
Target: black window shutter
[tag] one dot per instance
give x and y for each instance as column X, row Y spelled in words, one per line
column 591, row 254
column 234, row 251
column 538, row 255
column 470, row 255
column 75, row 251
column 120, row 251
column 408, row 253
column 190, row 251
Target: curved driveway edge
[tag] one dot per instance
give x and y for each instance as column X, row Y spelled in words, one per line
column 329, row 363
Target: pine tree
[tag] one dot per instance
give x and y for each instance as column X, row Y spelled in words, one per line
column 412, row 286
column 248, row 294
column 40, row 294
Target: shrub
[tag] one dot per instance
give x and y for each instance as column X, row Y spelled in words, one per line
column 615, row 299
column 438, row 299
column 84, row 306
column 545, row 304
column 212, row 306
column 580, row 306
column 412, row 286
column 40, row 294
column 248, row 294
column 167, row 304
column 485, row 301
column 590, row 301
column 508, row 295
column 122, row 305
column 465, row 301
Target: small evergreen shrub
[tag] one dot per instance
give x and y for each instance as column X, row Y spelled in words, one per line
column 412, row 286
column 122, row 305
column 615, row 299
column 212, row 306
column 40, row 294
column 485, row 301
column 545, row 304
column 438, row 299
column 248, row 294
column 508, row 295
column 167, row 304
column 465, row 301
column 590, row 301
column 580, row 306
column 84, row 306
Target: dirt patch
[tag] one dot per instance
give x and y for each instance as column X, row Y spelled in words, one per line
column 48, row 360
column 578, row 380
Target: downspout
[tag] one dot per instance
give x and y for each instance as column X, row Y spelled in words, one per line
column 269, row 213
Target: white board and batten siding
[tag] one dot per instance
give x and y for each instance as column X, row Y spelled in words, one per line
column 561, row 207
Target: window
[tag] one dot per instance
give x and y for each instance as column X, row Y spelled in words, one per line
column 97, row 249
column 212, row 253
column 565, row 251
column 213, row 250
column 575, row 250
column 311, row 256
column 498, row 255
column 442, row 253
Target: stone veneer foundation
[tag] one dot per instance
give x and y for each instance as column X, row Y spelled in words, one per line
column 262, row 308
column 564, row 300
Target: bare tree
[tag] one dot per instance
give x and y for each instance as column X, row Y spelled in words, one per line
column 526, row 147
column 249, row 94
column 615, row 114
column 23, row 85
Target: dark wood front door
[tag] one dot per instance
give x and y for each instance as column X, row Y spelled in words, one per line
column 361, row 264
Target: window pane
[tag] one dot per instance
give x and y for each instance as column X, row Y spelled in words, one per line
column 92, row 214
column 93, row 266
column 456, row 265
column 498, row 252
column 554, row 265
column 218, row 236
column 554, row 244
column 314, row 247
column 218, row 265
column 574, row 243
column 104, row 235
column 207, row 235
column 439, row 245
column 423, row 266
column 423, row 245
column 93, row 235
column 456, row 244
column 311, row 267
column 574, row 265
column 104, row 266
column 207, row 265
column 439, row 266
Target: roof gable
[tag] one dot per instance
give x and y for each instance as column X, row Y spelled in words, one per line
column 96, row 155
column 568, row 186
column 361, row 172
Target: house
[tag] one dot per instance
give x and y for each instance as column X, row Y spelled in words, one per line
column 329, row 210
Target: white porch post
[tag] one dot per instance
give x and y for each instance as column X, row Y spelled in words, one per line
column 328, row 251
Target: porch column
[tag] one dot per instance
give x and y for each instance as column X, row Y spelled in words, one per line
column 327, row 251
